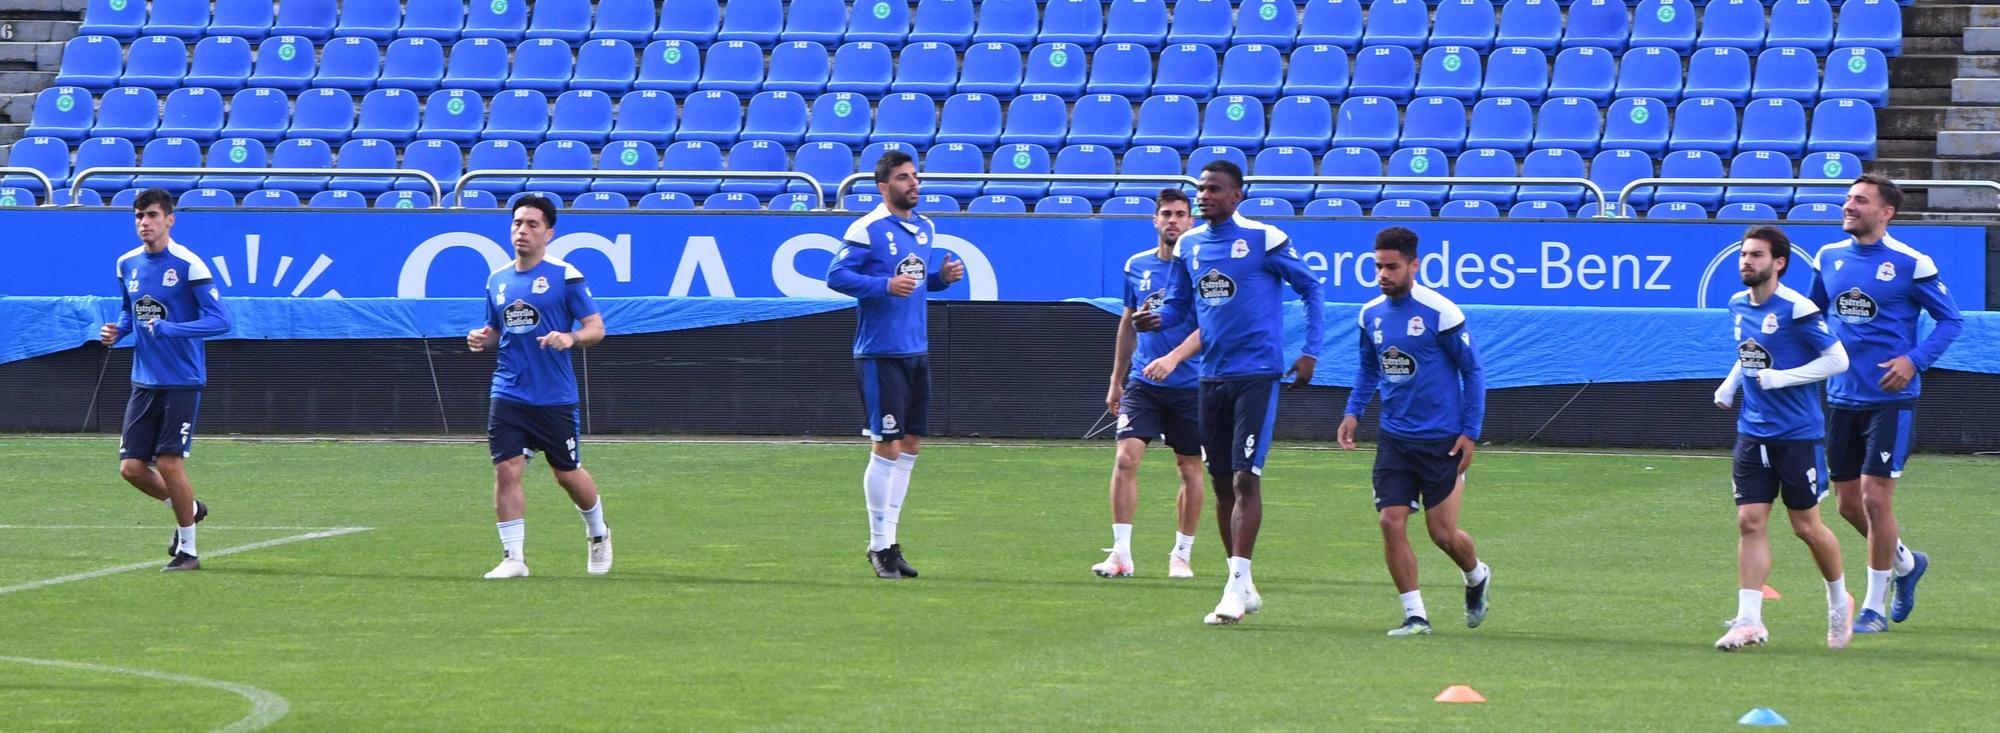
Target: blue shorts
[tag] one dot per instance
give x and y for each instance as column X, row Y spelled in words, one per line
column 520, row 429
column 1149, row 411
column 159, row 422
column 896, row 393
column 1236, row 422
column 1868, row 442
column 1414, row 473
column 1767, row 469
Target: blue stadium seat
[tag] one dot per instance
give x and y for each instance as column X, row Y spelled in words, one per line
column 389, row 114
column 1426, row 162
column 1553, row 164
column 1737, row 24
column 628, row 156
column 1114, row 206
column 1121, row 68
column 1264, row 207
column 757, row 22
column 693, row 21
column 818, row 21
column 1690, row 164
column 1637, row 123
column 1255, row 70
column 155, row 62
column 1587, row 72
column 1301, row 122
column 1538, row 210
column 261, row 114
column 221, row 63
column 206, row 198
column 648, row 116
column 1759, row 164
column 1856, row 73
column 1332, row 207
column 1876, row 24
column 779, row 117
column 313, row 19
column 1139, row 22
column 378, row 20
column 905, row 118
column 1319, row 70
column 1814, row 212
column 1201, row 157
column 550, row 195
column 1841, row 167
column 443, row 159
column 991, row 68
column 584, row 115
column 443, row 20
column 416, row 64
column 1747, row 212
column 1268, row 22
column 395, row 200
column 880, row 21
column 631, row 21
column 118, row 19
column 1036, row 119
column 91, row 62
column 738, row 67
column 827, row 162
column 1077, row 22
column 1604, row 24
column 1723, row 73
column 271, row 199
column 801, row 67
column 1282, row 160
column 1350, row 161
column 971, row 119
column 246, row 19
column 345, row 199
column 521, row 115
column 106, row 152
column 1188, row 69
column 1468, row 209
column 864, row 68
column 1368, row 122
column 713, row 117
column 184, row 19
column 1006, row 21
column 1535, row 24
column 1843, row 126
column 1206, row 22
column 756, row 156
column 1777, row 125
column 948, row 22
column 1094, row 160
column 463, row 199
column 932, row 68
column 1468, row 23
column 63, row 113
column 349, row 63
column 669, row 66
column 1650, row 72
column 1569, row 123
column 1384, row 71
column 478, row 64
column 458, row 115
column 1591, row 210
column 1405, row 23
column 666, row 201
column 236, row 153
column 609, row 65
column 1519, row 72
column 1235, row 121
column 1786, row 73
column 501, row 19
column 1435, row 122
column 168, row 152
column 86, row 197
column 1071, row 205
column 1668, row 24
column 691, row 155
column 1335, row 23
column 953, row 158
column 564, row 20
column 840, row 118
column 1056, row 68
column 194, row 113
column 1612, row 169
column 1677, row 210
column 1704, row 123
column 366, row 153
column 1168, row 120
column 46, row 154
column 1401, row 208
column 128, row 112
column 1450, row 71
column 792, row 202
column 1148, row 160
column 1806, row 24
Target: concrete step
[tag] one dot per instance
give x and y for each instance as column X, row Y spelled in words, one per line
column 1909, row 97
column 11, row 133
column 1968, row 144
column 1978, row 40
column 1935, row 44
column 1911, row 122
column 25, row 82
column 1890, row 148
column 1948, row 20
column 1978, row 67
column 30, row 31
column 1975, row 91
column 1963, row 199
column 1971, row 118
column 16, row 107
column 31, row 56
column 1902, row 168
column 1911, row 70
column 66, row 7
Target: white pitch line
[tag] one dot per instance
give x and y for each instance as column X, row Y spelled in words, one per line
column 149, row 528
column 266, row 707
column 99, row 573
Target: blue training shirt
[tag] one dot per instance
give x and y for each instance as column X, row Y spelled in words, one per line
column 879, row 246
column 174, row 292
column 523, row 307
column 1417, row 351
column 1226, row 279
column 1873, row 294
column 1783, row 332
column 1146, row 285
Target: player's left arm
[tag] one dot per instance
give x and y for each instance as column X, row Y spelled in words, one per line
column 577, row 298
column 1937, row 301
column 1164, row 366
column 1283, row 260
column 1832, row 357
column 1457, row 345
column 950, row 271
column 213, row 321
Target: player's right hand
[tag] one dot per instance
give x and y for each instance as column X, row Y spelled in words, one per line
column 108, row 334
column 1346, row 432
column 1145, row 319
column 477, row 338
column 1114, row 398
column 902, row 285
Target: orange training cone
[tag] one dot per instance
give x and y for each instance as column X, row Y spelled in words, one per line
column 1460, row 693
column 1771, row 594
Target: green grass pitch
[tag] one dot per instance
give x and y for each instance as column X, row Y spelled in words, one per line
column 741, row 599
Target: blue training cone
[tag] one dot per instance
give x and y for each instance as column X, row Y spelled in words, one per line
column 1763, row 717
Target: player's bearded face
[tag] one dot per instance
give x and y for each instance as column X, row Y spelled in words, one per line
column 902, row 187
column 1864, row 213
column 1171, row 221
column 1218, row 195
column 1756, row 266
column 1393, row 272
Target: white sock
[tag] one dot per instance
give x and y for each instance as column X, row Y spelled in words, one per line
column 1905, row 562
column 899, row 487
column 1183, row 545
column 1477, row 575
column 1239, row 576
column 1750, row 605
column 512, row 535
column 1878, row 591
column 1413, row 604
column 593, row 520
column 875, row 486
column 187, row 540
column 1836, row 592
column 1121, row 540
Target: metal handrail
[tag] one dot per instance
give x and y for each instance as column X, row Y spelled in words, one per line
column 48, row 187
column 458, row 191
column 1626, row 192
column 76, row 186
column 840, row 192
column 1440, row 181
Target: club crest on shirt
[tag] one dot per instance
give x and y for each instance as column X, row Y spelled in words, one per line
column 1239, row 249
column 1214, row 287
column 1752, row 355
column 911, row 265
column 888, row 423
column 922, row 237
column 1770, row 323
column 1156, row 299
column 1884, row 273
column 147, row 309
column 540, row 286
column 1854, row 306
column 170, row 278
column 1416, row 326
column 519, row 317
column 1398, row 366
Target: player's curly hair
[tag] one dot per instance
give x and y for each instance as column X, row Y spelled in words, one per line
column 154, row 197
column 1167, row 196
column 1399, row 239
column 1892, row 194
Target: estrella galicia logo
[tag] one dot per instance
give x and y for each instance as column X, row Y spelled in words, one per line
column 1854, row 306
column 1752, row 355
column 911, row 265
column 1215, row 288
column 1156, row 299
column 147, row 309
column 1398, row 366
column 520, row 317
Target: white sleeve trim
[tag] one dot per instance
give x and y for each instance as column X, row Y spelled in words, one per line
column 197, row 270
column 1449, row 316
